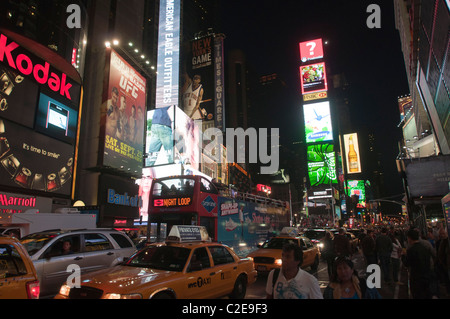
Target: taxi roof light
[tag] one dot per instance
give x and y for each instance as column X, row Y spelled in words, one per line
column 188, row 233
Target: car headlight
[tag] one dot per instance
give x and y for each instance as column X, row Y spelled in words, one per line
column 64, row 290
column 320, row 245
column 120, row 296
column 278, row 262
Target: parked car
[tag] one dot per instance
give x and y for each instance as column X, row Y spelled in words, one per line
column 18, row 277
column 53, row 251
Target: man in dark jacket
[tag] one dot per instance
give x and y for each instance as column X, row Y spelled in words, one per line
column 384, row 249
column 368, row 248
column 342, row 246
column 418, row 259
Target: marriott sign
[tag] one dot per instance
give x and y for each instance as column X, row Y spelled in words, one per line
column 11, row 54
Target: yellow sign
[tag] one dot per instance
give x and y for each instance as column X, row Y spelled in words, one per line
column 315, row 96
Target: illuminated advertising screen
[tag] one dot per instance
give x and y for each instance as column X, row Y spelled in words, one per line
column 357, row 187
column 313, row 78
column 167, row 78
column 318, row 126
column 124, row 118
column 56, row 119
column 352, row 155
column 187, row 140
column 198, row 81
column 34, row 161
column 160, row 136
column 311, row 50
column 321, row 164
column 405, row 106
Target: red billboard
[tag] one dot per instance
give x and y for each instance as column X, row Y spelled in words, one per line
column 124, row 106
column 311, row 50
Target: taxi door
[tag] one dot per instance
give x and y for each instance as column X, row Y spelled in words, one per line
column 200, row 281
column 225, row 270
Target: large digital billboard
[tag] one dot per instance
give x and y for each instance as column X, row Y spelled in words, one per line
column 321, row 160
column 160, row 136
column 168, row 61
column 313, row 78
column 352, row 155
column 318, row 126
column 357, row 188
column 124, row 104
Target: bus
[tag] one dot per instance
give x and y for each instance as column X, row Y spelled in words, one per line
column 240, row 220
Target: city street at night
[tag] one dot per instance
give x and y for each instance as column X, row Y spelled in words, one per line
column 229, row 151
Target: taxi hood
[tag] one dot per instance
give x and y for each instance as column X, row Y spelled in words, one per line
column 266, row 252
column 118, row 278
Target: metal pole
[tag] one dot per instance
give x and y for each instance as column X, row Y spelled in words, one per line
column 290, row 205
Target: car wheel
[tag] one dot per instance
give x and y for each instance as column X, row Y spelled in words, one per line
column 163, row 295
column 315, row 266
column 240, row 288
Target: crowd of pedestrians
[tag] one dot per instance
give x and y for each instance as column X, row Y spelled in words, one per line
column 425, row 257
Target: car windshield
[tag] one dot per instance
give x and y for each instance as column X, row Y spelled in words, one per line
column 34, row 242
column 161, row 258
column 313, row 234
column 278, row 243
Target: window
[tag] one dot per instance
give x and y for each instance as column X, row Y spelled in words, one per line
column 221, row 255
column 207, row 187
column 199, row 260
column 121, row 240
column 66, row 245
column 11, row 264
column 94, row 242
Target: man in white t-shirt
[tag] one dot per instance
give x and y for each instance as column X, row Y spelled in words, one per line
column 292, row 281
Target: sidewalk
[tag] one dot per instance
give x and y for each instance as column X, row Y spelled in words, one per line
column 392, row 290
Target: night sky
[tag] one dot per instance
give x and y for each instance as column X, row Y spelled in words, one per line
column 268, row 31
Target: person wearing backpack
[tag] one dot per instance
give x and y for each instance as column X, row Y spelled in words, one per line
column 292, row 282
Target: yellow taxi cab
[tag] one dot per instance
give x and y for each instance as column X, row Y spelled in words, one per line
column 18, row 277
column 268, row 256
column 186, row 266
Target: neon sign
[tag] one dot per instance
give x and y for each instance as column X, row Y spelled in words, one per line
column 172, row 202
column 17, row 201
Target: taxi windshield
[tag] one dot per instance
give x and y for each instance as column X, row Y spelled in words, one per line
column 161, row 258
column 34, row 242
column 278, row 243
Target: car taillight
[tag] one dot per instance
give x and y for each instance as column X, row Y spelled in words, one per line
column 33, row 289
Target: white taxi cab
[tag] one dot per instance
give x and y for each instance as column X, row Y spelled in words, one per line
column 187, row 266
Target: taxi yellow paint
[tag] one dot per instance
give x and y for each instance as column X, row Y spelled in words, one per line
column 18, row 277
column 125, row 281
column 268, row 257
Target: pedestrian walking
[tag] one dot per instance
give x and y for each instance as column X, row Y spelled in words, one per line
column 396, row 254
column 368, row 248
column 328, row 252
column 443, row 260
column 342, row 246
column 292, row 282
column 418, row 261
column 384, row 249
column 345, row 283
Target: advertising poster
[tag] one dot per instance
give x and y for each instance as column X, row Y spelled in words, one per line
column 168, row 60
column 405, row 106
column 34, row 161
column 198, row 88
column 357, row 187
column 352, row 155
column 311, row 50
column 219, row 99
column 124, row 116
column 313, row 78
column 243, row 225
column 160, row 136
column 321, row 164
column 187, row 139
column 318, row 126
